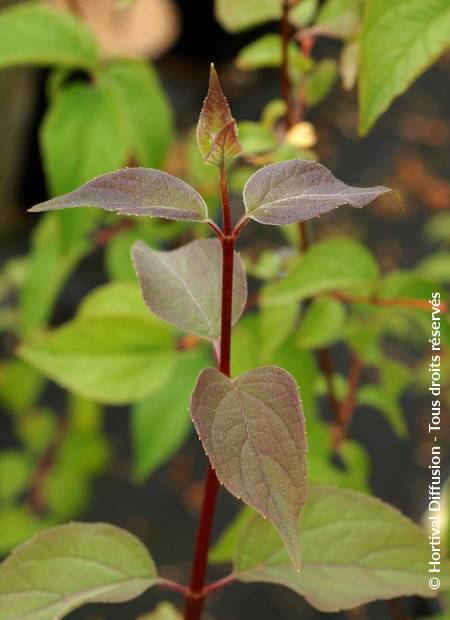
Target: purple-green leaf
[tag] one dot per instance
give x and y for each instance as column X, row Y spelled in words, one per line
column 253, row 431
column 184, row 286
column 355, row 549
column 135, row 191
column 217, row 134
column 297, row 190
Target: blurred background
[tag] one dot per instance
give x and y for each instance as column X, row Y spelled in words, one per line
column 95, row 471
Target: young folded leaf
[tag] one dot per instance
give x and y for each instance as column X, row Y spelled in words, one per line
column 217, row 134
column 135, row 191
column 63, row 568
column 297, row 190
column 355, row 549
column 184, row 286
column 253, row 431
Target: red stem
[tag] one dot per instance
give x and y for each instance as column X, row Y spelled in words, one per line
column 285, row 79
column 195, row 597
column 221, row 583
column 347, row 406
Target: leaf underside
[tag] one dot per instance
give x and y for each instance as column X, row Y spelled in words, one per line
column 135, row 191
column 184, row 286
column 217, row 135
column 253, row 431
column 355, row 549
column 297, row 190
column 63, row 568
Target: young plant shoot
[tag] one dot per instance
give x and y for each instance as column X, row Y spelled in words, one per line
column 336, row 548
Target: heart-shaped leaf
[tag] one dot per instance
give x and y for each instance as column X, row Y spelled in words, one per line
column 135, row 191
column 253, row 431
column 68, row 566
column 217, row 135
column 355, row 549
column 184, row 286
column 297, row 190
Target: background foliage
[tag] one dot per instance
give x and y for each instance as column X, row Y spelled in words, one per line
column 359, row 294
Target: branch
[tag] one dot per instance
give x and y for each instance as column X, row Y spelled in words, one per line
column 327, row 368
column 284, row 71
column 195, row 597
column 348, row 405
column 402, row 302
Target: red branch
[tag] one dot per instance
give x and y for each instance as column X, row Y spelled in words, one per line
column 405, row 302
column 284, row 72
column 195, row 597
column 347, row 406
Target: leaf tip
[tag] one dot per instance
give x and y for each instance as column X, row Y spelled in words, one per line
column 217, row 135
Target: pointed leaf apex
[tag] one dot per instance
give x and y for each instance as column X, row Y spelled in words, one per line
column 217, row 134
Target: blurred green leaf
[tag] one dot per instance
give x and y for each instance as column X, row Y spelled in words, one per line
column 303, row 12
column 412, row 35
column 84, row 415
column 164, row 611
column 235, row 15
column 95, row 141
column 119, row 299
column 406, row 284
column 16, row 470
column 385, row 395
column 50, row 263
column 272, row 112
column 267, row 265
column 266, row 52
column 17, row 525
column 115, row 359
column 36, row 428
column 152, row 231
column 34, row 34
column 340, row 18
column 66, row 493
column 330, row 265
column 275, row 324
column 84, row 453
column 322, row 324
column 364, row 336
column 435, row 267
column 321, row 80
column 437, row 228
column 349, row 64
column 20, row 385
column 161, row 423
column 255, row 138
column 147, row 108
